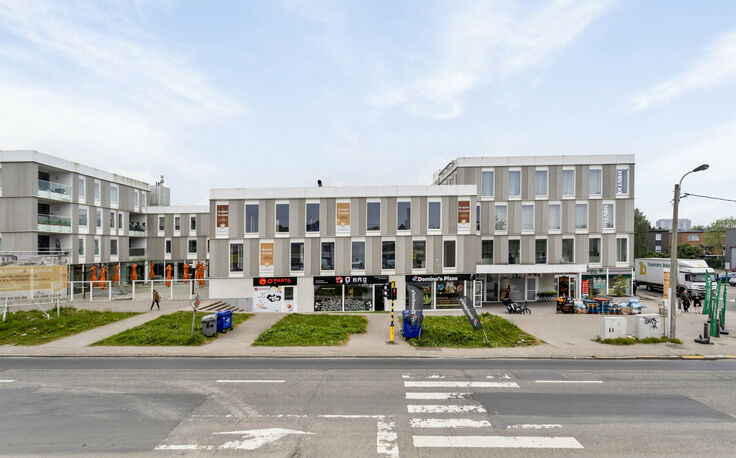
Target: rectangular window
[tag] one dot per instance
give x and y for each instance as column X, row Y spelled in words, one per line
column 581, row 216
column 113, row 247
column 297, row 256
column 357, row 256
column 434, row 215
column 373, row 216
column 192, row 222
column 540, row 183
column 501, row 218
column 477, row 218
column 98, row 217
column 419, row 254
column 251, row 218
column 622, row 181
column 97, row 191
column 192, row 246
column 388, row 255
column 449, row 254
column 120, row 220
column 657, row 248
column 177, row 223
column 594, row 250
column 403, row 216
column 540, row 251
column 690, row 237
column 80, row 247
column 622, row 250
column 527, row 217
column 236, row 257
column 112, row 220
column 554, row 217
column 514, row 251
column 568, row 183
column 81, row 185
column 328, row 256
column 143, row 198
column 486, row 186
column 514, row 183
column 282, row 217
column 135, row 198
column 97, row 247
column 594, row 182
column 313, row 217
column 83, row 217
column 161, row 223
column 113, row 194
column 658, row 236
column 568, row 250
column 167, row 246
column 608, row 216
column 486, row 252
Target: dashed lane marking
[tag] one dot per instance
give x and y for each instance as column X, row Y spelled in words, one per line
column 7, row 381
column 533, row 426
column 460, row 384
column 423, row 395
column 448, row 423
column 439, row 408
column 496, row 442
column 250, row 381
column 569, row 381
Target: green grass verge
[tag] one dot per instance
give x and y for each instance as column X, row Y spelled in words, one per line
column 167, row 330
column 455, row 331
column 33, row 328
column 634, row 340
column 311, row 330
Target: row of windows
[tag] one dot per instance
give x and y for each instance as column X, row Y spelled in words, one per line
column 139, row 196
column 541, row 182
column 177, row 223
column 191, row 246
column 567, row 255
column 554, row 220
column 83, row 218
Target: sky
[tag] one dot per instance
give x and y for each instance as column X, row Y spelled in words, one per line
column 282, row 93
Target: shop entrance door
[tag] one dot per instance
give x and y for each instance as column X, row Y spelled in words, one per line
column 289, row 304
column 477, row 293
column 531, row 289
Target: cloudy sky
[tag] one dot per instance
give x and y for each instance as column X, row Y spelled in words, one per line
column 268, row 93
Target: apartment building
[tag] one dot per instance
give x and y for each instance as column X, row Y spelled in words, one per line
column 177, row 235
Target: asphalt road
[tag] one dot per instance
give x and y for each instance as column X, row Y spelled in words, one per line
column 366, row 407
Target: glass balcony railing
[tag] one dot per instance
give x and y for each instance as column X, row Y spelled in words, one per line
column 53, row 220
column 54, row 190
column 135, row 252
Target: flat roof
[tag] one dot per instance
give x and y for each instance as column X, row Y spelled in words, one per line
column 71, row 166
column 313, row 192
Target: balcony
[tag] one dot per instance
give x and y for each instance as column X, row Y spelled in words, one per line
column 136, row 229
column 56, row 191
column 53, row 223
column 137, row 254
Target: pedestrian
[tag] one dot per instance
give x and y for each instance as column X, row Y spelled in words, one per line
column 685, row 297
column 634, row 288
column 696, row 300
column 156, row 299
column 506, row 294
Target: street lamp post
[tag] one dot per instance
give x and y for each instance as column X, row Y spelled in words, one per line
column 673, row 253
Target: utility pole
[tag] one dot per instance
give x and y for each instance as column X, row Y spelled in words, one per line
column 672, row 309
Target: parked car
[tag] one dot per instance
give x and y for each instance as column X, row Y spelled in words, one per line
column 731, row 276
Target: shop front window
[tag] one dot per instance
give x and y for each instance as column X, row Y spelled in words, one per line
column 447, row 293
column 419, row 254
column 328, row 298
column 426, row 288
column 358, row 298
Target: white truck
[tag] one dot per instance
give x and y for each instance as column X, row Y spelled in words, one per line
column 691, row 274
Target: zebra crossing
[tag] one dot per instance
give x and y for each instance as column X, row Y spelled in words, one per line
column 439, row 411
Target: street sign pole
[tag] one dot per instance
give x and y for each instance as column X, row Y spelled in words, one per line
column 194, row 304
column 391, row 331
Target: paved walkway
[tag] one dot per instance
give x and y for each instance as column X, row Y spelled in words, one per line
column 564, row 336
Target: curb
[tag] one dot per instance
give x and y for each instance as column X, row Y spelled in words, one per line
column 566, row 358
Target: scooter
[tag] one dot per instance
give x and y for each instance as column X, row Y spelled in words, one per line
column 513, row 307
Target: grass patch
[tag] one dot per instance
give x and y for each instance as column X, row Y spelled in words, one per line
column 455, row 331
column 33, row 328
column 634, row 340
column 302, row 330
column 167, row 330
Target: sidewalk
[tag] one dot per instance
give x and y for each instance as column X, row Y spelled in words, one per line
column 564, row 336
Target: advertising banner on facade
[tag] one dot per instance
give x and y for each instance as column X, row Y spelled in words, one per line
column 586, row 287
column 343, row 218
column 463, row 216
column 20, row 283
column 266, row 258
column 222, row 228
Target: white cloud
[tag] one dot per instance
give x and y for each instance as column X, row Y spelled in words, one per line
column 716, row 67
column 487, row 41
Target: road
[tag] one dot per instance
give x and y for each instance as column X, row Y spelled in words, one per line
column 366, row 407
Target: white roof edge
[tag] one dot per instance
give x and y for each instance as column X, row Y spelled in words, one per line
column 179, row 209
column 71, row 166
column 342, row 192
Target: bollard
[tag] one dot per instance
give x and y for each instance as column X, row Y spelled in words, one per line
column 718, row 327
column 57, row 308
column 706, row 333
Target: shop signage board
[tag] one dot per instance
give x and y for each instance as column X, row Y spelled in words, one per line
column 463, row 215
column 467, row 305
column 586, row 287
column 343, row 218
column 450, row 277
column 274, row 281
column 222, row 212
column 266, row 258
column 351, row 280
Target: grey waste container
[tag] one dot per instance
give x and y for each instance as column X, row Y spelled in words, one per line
column 209, row 325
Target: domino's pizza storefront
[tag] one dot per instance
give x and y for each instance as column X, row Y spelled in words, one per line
column 349, row 293
column 442, row 291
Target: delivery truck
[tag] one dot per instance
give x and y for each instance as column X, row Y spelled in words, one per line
column 691, row 274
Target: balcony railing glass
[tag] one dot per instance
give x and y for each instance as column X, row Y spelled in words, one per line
column 62, row 190
column 136, row 252
column 53, row 220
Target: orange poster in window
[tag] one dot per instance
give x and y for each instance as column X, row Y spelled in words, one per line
column 343, row 218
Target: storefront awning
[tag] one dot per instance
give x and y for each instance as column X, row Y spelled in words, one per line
column 531, row 268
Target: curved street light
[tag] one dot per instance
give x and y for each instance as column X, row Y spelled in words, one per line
column 673, row 253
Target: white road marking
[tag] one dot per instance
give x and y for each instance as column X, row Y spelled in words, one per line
column 7, row 381
column 387, row 439
column 350, row 416
column 461, row 384
column 422, row 395
column 185, row 447
column 569, row 381
column 496, row 442
column 533, row 426
column 255, row 438
column 448, row 423
column 405, row 376
column 250, row 381
column 474, row 408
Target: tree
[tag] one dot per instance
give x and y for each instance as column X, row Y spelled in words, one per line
column 641, row 234
column 699, row 227
column 688, row 251
column 715, row 235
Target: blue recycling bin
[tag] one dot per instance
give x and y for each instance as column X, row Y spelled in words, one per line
column 412, row 324
column 224, row 320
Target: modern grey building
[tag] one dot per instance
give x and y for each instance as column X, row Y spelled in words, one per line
column 730, row 254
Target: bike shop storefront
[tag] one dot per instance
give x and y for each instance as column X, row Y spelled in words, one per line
column 442, row 291
column 274, row 294
column 362, row 293
column 528, row 282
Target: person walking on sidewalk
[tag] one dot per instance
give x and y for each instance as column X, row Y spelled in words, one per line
column 696, row 300
column 685, row 297
column 156, row 299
